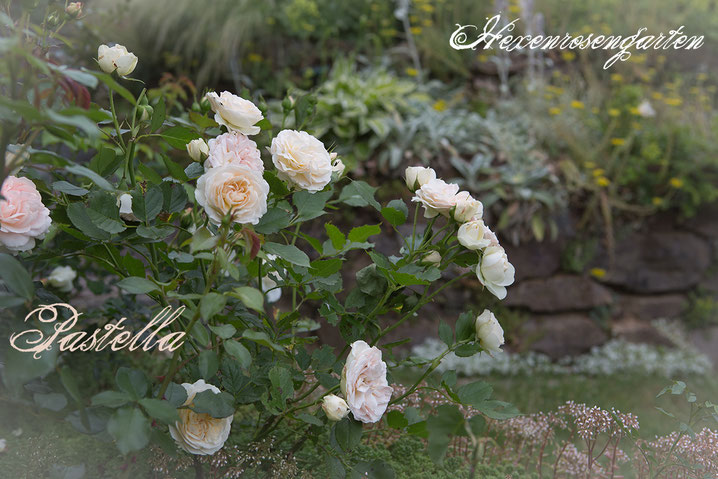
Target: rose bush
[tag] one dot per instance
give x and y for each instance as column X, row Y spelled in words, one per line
column 167, row 207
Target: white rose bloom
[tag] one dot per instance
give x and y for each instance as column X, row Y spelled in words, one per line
column 472, row 235
column 233, row 148
column 338, row 166
column 234, row 112
column 645, row 109
column 125, row 204
column 233, row 188
column 418, row 176
column 467, row 208
column 197, row 149
column 489, row 332
column 432, row 258
column 494, row 271
column 301, row 160
column 62, row 278
column 116, row 58
column 491, row 237
column 273, row 295
column 335, row 407
column 199, row 433
column 437, row 197
column 364, row 383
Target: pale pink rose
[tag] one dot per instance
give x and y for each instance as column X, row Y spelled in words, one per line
column 437, row 197
column 199, row 433
column 233, row 188
column 23, row 217
column 234, row 148
column 364, row 383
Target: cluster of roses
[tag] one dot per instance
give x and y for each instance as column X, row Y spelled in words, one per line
column 493, row 268
column 233, row 182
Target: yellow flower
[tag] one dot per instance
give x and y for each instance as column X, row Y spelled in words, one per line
column 254, row 57
column 598, row 172
column 568, row 56
column 577, row 105
column 598, row 272
column 657, row 201
column 427, row 22
column 427, row 8
column 483, row 57
column 415, row 30
column 616, row 77
column 657, row 95
column 702, row 77
column 514, row 9
column 673, row 101
column 412, row 72
column 676, row 182
column 590, row 164
column 617, row 141
column 554, row 110
column 439, row 105
column 634, row 111
column 603, row 181
column 594, row 110
column 614, row 112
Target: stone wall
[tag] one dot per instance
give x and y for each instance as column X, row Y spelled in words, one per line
column 650, row 275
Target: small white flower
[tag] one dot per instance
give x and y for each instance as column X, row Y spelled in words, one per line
column 116, row 58
column 418, row 176
column 234, row 112
column 432, row 258
column 338, row 166
column 489, row 332
column 645, row 109
column 335, row 407
column 437, row 197
column 197, row 149
column 62, row 278
column 467, row 208
column 125, row 204
column 472, row 235
column 494, row 271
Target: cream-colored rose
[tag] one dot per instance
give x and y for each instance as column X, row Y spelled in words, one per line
column 437, row 197
column 491, row 237
column 23, row 217
column 199, row 433
column 335, row 407
column 233, row 148
column 645, row 109
column 432, row 258
column 467, row 208
column 234, row 112
column 233, row 188
column 418, row 176
column 364, row 383
column 494, row 271
column 472, row 235
column 489, row 332
column 116, row 58
column 197, row 149
column 301, row 160
column 125, row 204
column 62, row 278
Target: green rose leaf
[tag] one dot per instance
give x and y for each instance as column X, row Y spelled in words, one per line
column 113, row 399
column 132, row 381
column 130, row 429
column 289, row 253
column 347, row 433
column 217, row 405
column 137, row 285
column 16, row 277
column 208, row 364
column 162, row 410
